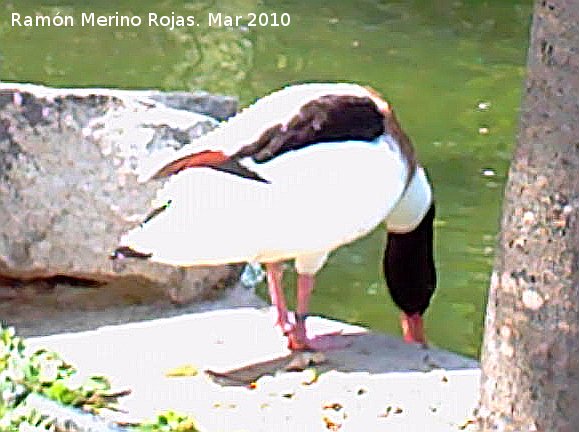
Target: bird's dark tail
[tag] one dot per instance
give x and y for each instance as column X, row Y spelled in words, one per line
column 126, row 252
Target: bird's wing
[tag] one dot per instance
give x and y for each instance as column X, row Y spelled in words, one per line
column 307, row 115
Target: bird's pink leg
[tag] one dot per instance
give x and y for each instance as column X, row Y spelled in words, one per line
column 298, row 339
column 274, row 284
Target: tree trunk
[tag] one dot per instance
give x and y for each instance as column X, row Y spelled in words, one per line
column 530, row 360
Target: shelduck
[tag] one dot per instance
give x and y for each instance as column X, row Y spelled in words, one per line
column 295, row 176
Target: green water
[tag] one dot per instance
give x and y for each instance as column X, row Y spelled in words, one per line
column 452, row 69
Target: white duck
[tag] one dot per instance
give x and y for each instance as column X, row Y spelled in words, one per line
column 298, row 174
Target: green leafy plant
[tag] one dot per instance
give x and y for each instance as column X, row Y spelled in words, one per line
column 45, row 373
column 169, row 421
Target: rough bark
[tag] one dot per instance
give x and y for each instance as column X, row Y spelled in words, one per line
column 530, row 355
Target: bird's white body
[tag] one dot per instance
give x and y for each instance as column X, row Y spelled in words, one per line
column 318, row 197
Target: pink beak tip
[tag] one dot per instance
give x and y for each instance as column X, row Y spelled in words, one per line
column 413, row 328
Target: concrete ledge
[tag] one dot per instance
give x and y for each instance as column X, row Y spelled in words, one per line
column 378, row 383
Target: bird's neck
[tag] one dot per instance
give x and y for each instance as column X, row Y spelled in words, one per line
column 409, row 266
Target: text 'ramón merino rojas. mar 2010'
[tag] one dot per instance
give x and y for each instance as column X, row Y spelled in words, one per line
column 152, row 19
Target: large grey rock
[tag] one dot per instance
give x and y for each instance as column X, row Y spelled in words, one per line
column 218, row 107
column 69, row 162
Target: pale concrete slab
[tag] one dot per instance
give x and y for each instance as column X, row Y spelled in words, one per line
column 378, row 383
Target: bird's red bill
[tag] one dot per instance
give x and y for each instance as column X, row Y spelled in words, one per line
column 413, row 328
